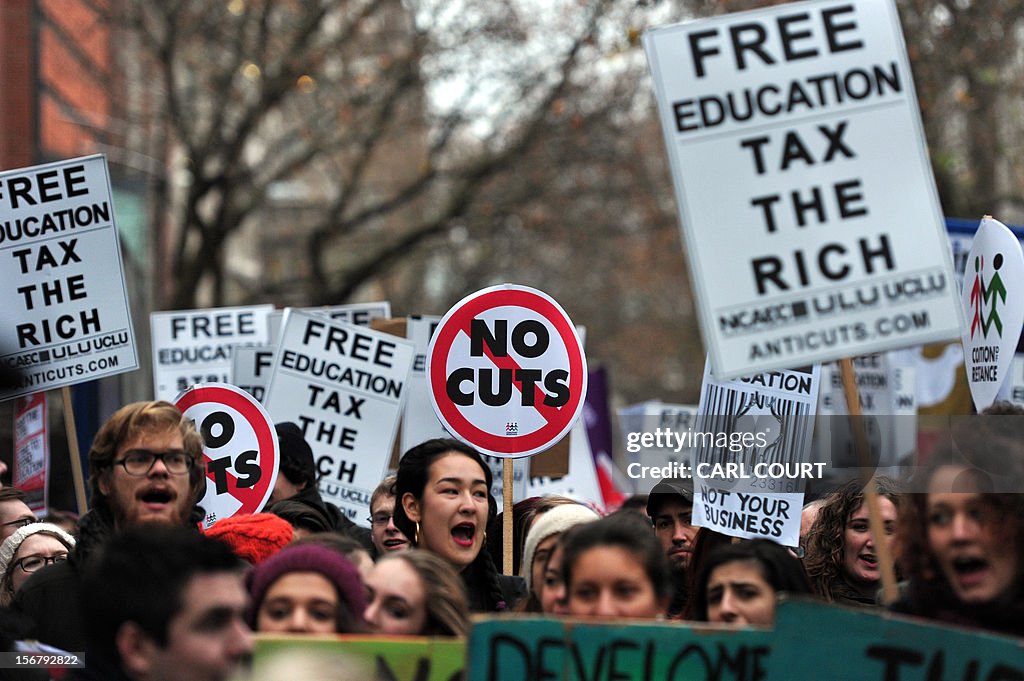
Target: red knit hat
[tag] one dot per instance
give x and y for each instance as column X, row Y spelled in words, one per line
column 253, row 536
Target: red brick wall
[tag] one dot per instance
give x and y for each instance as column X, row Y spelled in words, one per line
column 16, row 84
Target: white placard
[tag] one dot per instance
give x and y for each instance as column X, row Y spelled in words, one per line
column 250, row 368
column 419, row 422
column 993, row 309
column 805, row 193
column 67, row 317
column 344, row 386
column 195, row 346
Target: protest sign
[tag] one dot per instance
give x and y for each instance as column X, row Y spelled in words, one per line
column 507, row 372
column 68, row 318
column 250, row 368
column 239, row 445
column 344, row 386
column 391, row 658
column 653, row 431
column 32, row 451
column 580, row 481
column 581, row 650
column 358, row 314
column 752, row 453
column 993, row 301
column 857, row 644
column 419, row 422
column 196, row 346
column 787, row 129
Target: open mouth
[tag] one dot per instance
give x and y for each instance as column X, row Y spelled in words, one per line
column 970, row 570
column 392, row 544
column 157, row 497
column 870, row 560
column 463, row 533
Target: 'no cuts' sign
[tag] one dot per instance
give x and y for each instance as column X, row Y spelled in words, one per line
column 239, row 446
column 805, row 194
column 66, row 316
column 506, row 371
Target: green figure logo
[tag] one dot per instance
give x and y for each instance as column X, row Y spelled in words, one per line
column 992, row 293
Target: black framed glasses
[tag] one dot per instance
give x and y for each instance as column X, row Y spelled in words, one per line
column 139, row 462
column 380, row 519
column 19, row 523
column 32, row 564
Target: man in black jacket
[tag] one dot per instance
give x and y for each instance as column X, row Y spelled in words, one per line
column 145, row 466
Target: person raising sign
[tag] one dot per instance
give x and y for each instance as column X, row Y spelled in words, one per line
column 444, row 498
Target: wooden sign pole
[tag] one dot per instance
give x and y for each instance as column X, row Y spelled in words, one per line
column 76, row 460
column 507, row 526
column 860, row 439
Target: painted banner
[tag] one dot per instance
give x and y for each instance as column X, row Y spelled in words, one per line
column 345, row 386
column 507, row 372
column 240, row 449
column 31, row 472
column 817, row 641
column 196, row 346
column 406, row 658
column 67, row 319
column 993, row 301
column 787, row 129
column 524, row 649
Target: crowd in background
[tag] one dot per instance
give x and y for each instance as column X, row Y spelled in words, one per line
column 149, row 596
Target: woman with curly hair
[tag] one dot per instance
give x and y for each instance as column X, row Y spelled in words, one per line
column 841, row 559
column 962, row 544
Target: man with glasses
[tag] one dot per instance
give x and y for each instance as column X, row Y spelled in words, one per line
column 386, row 537
column 14, row 512
column 145, row 466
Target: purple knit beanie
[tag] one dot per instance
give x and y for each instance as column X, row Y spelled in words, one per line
column 338, row 569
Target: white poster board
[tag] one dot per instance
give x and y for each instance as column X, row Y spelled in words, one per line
column 787, row 130
column 196, row 346
column 66, row 319
column 752, row 455
column 344, row 386
column 419, row 422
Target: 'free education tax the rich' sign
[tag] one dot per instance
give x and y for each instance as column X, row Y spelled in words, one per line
column 805, row 193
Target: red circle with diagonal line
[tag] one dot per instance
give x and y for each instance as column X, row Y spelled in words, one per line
column 506, row 371
column 241, row 458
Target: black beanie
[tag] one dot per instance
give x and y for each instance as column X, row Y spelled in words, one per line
column 296, row 455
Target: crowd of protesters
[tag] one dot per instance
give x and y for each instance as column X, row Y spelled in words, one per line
column 147, row 595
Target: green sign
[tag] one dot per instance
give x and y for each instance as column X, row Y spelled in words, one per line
column 816, row 641
column 367, row 657
column 574, row 650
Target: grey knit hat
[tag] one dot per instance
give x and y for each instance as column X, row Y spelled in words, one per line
column 557, row 520
column 11, row 545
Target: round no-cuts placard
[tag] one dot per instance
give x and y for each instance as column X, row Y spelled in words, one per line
column 239, row 445
column 506, row 371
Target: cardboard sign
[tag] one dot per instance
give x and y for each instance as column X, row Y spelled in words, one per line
column 388, row 658
column 507, row 372
column 787, row 129
column 345, row 386
column 752, row 453
column 196, row 346
column 524, row 649
column 239, row 445
column 993, row 300
column 32, row 451
column 817, row 641
column 67, row 318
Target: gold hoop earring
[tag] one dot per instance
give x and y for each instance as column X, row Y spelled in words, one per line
column 416, row 537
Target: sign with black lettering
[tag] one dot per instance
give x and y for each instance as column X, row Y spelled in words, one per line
column 345, row 386
column 359, row 314
column 506, row 371
column 523, row 649
column 250, row 368
column 196, row 346
column 817, row 641
column 993, row 302
column 751, row 453
column 67, row 318
column 240, row 449
column 788, row 130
